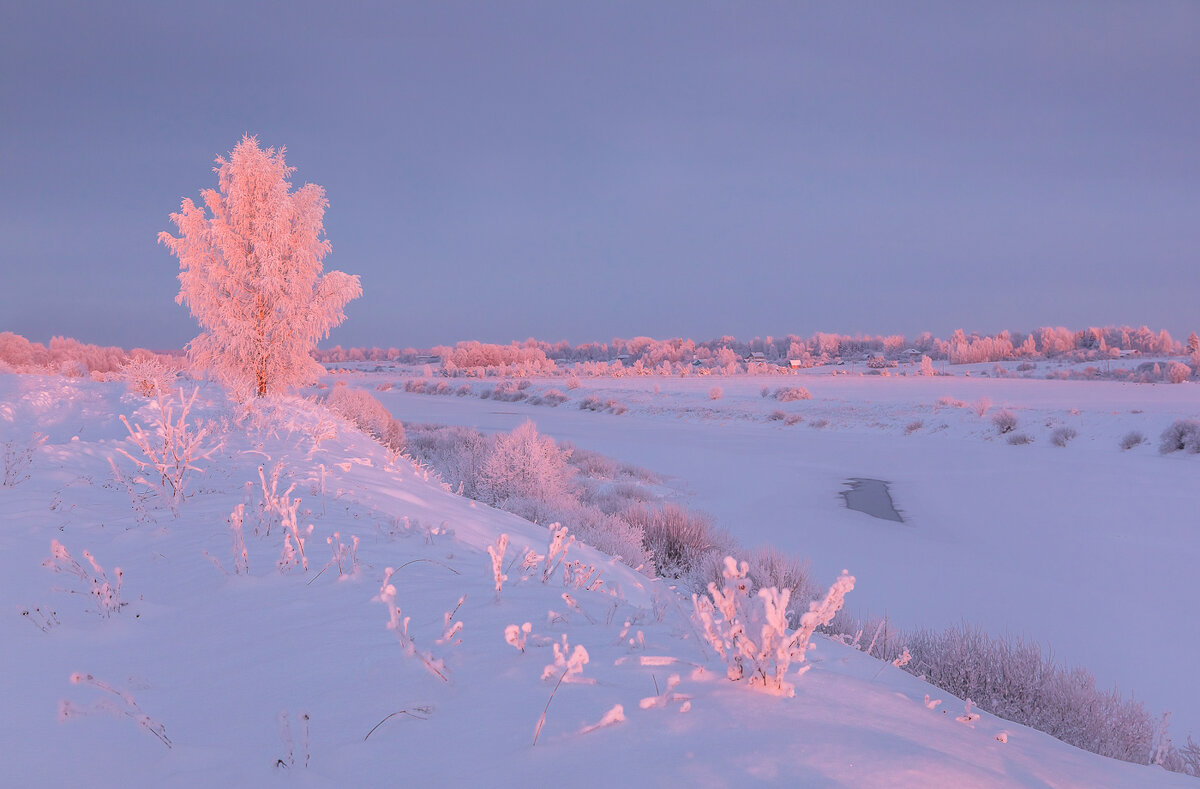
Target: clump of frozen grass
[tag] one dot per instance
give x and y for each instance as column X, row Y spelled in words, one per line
column 105, row 593
column 951, row 402
column 715, row 393
column 18, row 457
column 793, row 419
column 1182, row 434
column 1132, row 439
column 751, row 634
column 819, row 423
column 127, row 708
column 1017, row 439
column 1004, row 421
column 345, row 555
column 1062, row 436
column 792, row 393
column 170, row 453
column 776, row 416
column 913, row 426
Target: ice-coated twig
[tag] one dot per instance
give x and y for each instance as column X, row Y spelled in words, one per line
column 497, row 554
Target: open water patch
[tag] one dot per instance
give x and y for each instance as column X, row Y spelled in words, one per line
column 871, row 496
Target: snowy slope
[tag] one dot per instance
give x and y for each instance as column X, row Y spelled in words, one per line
column 272, row 676
column 1087, row 548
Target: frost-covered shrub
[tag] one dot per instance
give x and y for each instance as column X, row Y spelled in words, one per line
column 776, row 416
column 370, row 415
column 913, row 427
column 1005, row 421
column 148, row 376
column 1017, row 439
column 525, row 464
column 819, row 423
column 605, row 532
column 456, row 453
column 601, row 406
column 463, row 390
column 981, row 406
column 751, row 633
column 1182, row 434
column 715, row 393
column 1062, row 436
column 170, row 450
column 792, row 419
column 1132, row 439
column 1014, row 680
column 1177, row 373
column 677, row 539
column 792, row 393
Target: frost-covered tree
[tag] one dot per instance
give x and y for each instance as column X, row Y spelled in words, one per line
column 251, row 272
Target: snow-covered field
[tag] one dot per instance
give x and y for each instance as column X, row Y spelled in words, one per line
column 274, row 675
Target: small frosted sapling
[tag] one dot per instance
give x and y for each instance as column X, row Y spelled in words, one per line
column 171, row 455
column 127, row 708
column 556, row 552
column 105, row 593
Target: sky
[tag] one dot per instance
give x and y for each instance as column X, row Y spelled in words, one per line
column 584, row 171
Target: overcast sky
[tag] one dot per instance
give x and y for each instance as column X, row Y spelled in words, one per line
column 570, row 170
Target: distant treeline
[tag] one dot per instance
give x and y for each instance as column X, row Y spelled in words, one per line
column 820, row 348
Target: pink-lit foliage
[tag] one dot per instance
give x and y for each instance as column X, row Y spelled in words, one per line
column 251, row 273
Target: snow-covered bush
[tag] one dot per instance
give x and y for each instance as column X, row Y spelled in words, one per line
column 1132, row 439
column 525, row 464
column 148, row 376
column 170, row 452
column 1062, row 436
column 981, row 406
column 1182, row 434
column 1015, row 680
column 1177, row 372
column 371, row 416
column 715, row 393
column 751, row 633
column 913, row 426
column 676, row 539
column 792, row 393
column 601, row 406
column 1005, row 421
column 1018, row 439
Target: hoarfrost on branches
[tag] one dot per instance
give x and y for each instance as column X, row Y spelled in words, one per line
column 251, row 273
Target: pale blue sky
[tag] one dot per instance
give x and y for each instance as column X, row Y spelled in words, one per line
column 588, row 170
